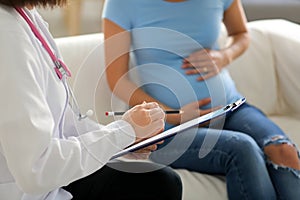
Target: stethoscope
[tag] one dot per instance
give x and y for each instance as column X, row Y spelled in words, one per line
column 60, row 68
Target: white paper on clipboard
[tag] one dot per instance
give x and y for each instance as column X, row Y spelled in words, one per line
column 175, row 130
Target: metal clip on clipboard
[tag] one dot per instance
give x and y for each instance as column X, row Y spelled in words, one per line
column 237, row 104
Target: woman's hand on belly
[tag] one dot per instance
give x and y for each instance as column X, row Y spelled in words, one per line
column 206, row 62
column 190, row 111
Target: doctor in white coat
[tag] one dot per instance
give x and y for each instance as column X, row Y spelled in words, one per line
column 48, row 149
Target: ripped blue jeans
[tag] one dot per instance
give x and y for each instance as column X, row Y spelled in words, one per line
column 235, row 150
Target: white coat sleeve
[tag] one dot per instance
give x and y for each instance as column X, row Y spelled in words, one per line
column 38, row 161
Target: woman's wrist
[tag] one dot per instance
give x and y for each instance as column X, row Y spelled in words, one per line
column 227, row 57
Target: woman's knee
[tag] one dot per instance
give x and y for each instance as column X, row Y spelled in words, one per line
column 283, row 154
column 246, row 146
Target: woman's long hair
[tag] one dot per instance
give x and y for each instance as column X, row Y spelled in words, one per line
column 42, row 3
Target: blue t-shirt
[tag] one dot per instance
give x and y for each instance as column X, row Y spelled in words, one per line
column 163, row 33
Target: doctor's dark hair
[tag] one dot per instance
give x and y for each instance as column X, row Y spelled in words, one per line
column 41, row 3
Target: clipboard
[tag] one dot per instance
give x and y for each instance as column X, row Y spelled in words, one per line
column 175, row 130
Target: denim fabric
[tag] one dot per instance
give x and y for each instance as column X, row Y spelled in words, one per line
column 236, row 151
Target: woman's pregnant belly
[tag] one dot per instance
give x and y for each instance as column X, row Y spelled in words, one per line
column 170, row 85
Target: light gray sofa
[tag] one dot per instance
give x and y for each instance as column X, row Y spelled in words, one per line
column 272, row 9
column 267, row 74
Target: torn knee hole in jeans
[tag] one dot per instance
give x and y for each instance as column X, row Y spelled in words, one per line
column 282, row 154
column 277, row 140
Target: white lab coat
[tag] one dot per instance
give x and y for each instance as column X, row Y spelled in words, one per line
column 42, row 144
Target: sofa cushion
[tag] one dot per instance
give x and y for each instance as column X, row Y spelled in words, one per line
column 207, row 186
column 88, row 79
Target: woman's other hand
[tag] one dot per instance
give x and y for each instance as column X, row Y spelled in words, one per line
column 190, row 111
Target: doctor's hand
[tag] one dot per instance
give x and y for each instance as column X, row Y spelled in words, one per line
column 190, row 111
column 205, row 62
column 147, row 120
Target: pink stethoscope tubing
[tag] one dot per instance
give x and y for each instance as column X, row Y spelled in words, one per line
column 60, row 68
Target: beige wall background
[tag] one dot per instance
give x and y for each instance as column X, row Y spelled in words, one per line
column 84, row 16
column 79, row 17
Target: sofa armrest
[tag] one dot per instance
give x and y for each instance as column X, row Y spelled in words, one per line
column 285, row 40
column 267, row 73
